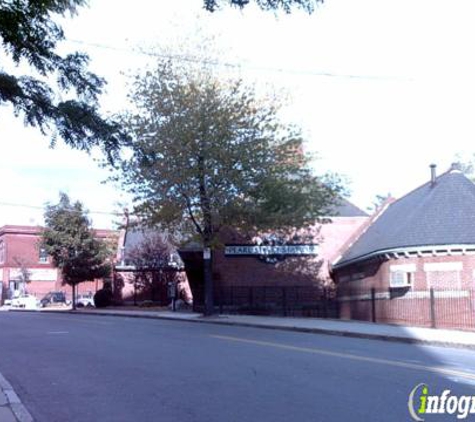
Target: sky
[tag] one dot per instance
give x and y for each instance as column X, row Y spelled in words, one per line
column 381, row 89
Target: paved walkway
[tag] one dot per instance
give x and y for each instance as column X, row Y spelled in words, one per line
column 439, row 337
column 11, row 408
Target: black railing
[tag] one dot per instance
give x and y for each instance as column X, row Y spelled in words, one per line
column 299, row 301
column 434, row 308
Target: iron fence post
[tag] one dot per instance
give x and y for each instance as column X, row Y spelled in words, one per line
column 284, row 300
column 432, row 308
column 373, row 304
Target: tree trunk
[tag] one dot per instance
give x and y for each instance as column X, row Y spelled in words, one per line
column 207, row 237
column 74, row 297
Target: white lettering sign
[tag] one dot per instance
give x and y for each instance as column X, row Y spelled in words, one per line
column 239, row 250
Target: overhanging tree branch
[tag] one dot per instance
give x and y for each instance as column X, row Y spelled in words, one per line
column 29, row 34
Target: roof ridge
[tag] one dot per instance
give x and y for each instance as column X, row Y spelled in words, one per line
column 435, row 213
column 444, row 174
column 363, row 228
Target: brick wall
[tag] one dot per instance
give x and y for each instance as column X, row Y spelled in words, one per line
column 296, row 271
column 20, row 248
column 451, row 277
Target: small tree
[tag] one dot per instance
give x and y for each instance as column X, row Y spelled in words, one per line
column 151, row 258
column 69, row 239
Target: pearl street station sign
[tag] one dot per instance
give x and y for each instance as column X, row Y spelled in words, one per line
column 270, row 250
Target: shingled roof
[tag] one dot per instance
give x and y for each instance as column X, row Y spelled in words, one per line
column 437, row 213
column 345, row 208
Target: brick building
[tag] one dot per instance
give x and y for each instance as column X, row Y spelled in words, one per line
column 264, row 268
column 414, row 261
column 19, row 252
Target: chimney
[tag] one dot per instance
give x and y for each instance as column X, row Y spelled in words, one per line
column 432, row 174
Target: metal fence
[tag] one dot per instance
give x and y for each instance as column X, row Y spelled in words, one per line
column 306, row 301
column 436, row 308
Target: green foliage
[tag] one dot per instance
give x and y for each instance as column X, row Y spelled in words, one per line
column 69, row 239
column 286, row 5
column 29, row 35
column 378, row 202
column 209, row 153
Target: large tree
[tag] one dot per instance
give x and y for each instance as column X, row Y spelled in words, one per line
column 286, row 5
column 209, row 153
column 70, row 241
column 29, row 34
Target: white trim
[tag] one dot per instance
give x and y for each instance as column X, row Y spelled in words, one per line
column 407, row 268
column 416, row 251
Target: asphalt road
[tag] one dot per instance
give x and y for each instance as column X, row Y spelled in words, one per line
column 93, row 368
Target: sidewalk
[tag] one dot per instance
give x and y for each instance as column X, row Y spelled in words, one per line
column 436, row 337
column 11, row 408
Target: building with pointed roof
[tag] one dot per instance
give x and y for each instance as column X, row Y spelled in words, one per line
column 265, row 265
column 422, row 242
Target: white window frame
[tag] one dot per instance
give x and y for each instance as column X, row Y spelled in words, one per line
column 43, row 259
column 452, row 266
column 406, row 271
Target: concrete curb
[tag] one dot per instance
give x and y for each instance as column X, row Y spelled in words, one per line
column 332, row 332
column 13, row 402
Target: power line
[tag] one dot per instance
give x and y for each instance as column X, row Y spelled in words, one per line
column 11, row 204
column 239, row 65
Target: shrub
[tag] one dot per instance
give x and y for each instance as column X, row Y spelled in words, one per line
column 103, row 298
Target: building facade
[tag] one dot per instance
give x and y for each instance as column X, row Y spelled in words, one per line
column 414, row 262
column 265, row 271
column 26, row 268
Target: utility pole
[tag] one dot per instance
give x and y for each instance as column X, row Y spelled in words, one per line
column 208, row 280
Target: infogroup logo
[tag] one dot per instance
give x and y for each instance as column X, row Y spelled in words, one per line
column 422, row 403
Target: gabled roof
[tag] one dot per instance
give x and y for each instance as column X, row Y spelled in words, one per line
column 440, row 213
column 345, row 208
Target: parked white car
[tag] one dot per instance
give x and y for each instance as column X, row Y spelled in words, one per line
column 25, row 301
column 85, row 300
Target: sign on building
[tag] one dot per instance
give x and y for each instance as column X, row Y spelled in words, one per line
column 270, row 254
column 36, row 274
column 253, row 250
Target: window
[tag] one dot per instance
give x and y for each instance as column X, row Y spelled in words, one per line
column 2, row 251
column 400, row 279
column 43, row 256
column 401, row 275
column 444, row 275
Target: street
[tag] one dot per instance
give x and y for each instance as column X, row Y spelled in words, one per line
column 93, row 368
